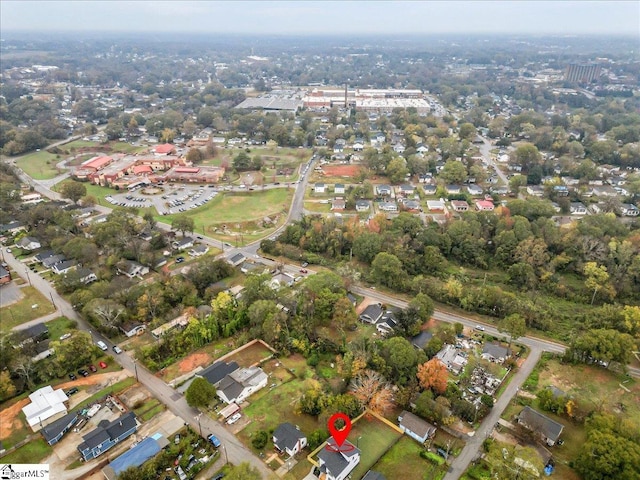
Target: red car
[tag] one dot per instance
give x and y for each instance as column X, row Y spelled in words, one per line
column 102, row 365
column 93, row 368
column 303, row 270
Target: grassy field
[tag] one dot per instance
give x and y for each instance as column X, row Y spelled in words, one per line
column 23, row 311
column 39, row 165
column 250, row 355
column 32, row 452
column 271, row 407
column 59, row 327
column 404, row 457
column 376, row 438
column 115, row 388
column 237, row 208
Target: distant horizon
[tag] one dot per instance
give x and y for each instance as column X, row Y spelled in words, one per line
column 324, row 18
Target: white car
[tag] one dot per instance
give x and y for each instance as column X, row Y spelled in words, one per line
column 234, row 418
column 65, row 336
column 479, row 327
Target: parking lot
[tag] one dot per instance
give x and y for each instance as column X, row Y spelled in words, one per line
column 166, row 199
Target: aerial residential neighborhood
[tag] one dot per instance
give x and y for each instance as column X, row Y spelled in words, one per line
column 214, row 244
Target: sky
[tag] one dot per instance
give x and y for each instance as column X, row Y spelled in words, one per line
column 324, row 17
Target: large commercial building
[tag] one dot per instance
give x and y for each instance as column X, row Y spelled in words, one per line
column 582, row 73
column 367, row 99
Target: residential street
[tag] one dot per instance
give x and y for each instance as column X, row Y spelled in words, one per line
column 236, row 452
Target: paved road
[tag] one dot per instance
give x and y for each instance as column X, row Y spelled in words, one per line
column 474, row 444
column 485, row 151
column 236, row 452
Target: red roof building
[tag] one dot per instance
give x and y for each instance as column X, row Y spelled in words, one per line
column 164, row 149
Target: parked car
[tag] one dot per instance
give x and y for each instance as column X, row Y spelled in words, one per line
column 234, row 418
column 304, row 264
column 117, row 349
column 102, row 345
column 179, row 259
column 65, row 336
column 304, row 270
column 93, row 368
column 219, row 476
column 71, row 391
column 176, row 439
column 72, row 376
column 214, row 441
column 102, row 365
column 83, row 372
column 479, row 327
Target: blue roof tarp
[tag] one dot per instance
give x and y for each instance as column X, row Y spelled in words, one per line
column 135, row 457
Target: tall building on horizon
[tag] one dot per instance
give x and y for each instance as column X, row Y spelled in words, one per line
column 582, row 72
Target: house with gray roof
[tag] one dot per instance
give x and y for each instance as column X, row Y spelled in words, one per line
column 415, row 427
column 288, row 438
column 241, row 383
column 371, row 314
column 422, row 339
column 495, row 352
column 216, row 372
column 337, row 462
column 548, row 430
column 108, row 435
column 54, row 432
column 28, row 243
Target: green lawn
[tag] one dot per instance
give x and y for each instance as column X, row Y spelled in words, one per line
column 59, row 327
column 236, row 208
column 375, row 438
column 23, row 311
column 115, row 388
column 39, row 165
column 32, row 452
column 270, row 407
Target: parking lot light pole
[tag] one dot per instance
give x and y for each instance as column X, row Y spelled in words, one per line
column 197, row 417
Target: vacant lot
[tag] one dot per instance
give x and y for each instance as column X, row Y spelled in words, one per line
column 594, row 387
column 404, row 457
column 373, row 437
column 31, row 306
column 32, row 452
column 39, row 165
column 348, row 171
column 251, row 355
column 231, row 209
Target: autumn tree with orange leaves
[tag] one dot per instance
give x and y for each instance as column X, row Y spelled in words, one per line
column 433, row 375
column 373, row 391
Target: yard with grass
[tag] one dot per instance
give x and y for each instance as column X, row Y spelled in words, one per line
column 251, row 355
column 32, row 305
column 32, row 452
column 374, row 438
column 149, row 409
column 39, row 165
column 236, row 208
column 59, row 327
column 405, row 457
column 272, row 406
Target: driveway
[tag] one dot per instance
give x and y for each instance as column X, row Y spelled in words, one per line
column 9, row 293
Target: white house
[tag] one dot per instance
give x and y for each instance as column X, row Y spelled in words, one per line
column 578, row 208
column 535, row 190
column 63, row 267
column 241, row 384
column 474, row 189
column 132, row 269
column 629, row 210
column 459, row 205
column 319, row 188
column 28, row 243
column 383, row 190
column 287, row 438
column 388, row 207
column 198, row 250
column 46, row 406
column 337, row 462
column 362, row 206
column 339, row 188
column 415, row 427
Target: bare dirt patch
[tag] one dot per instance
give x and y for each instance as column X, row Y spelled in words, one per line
column 9, row 420
column 341, row 170
column 193, row 361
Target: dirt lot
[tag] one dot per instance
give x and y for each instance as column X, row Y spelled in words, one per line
column 341, row 170
column 9, row 416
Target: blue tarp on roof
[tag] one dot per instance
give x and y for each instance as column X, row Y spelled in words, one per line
column 136, row 456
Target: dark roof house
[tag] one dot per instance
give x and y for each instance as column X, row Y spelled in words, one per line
column 216, row 372
column 549, row 430
column 289, row 439
column 415, row 427
column 371, row 314
column 336, row 463
column 54, row 432
column 495, row 352
column 104, row 437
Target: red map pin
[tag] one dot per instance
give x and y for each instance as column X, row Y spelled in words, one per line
column 339, row 435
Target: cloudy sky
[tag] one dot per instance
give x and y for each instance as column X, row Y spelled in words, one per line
column 325, row 17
